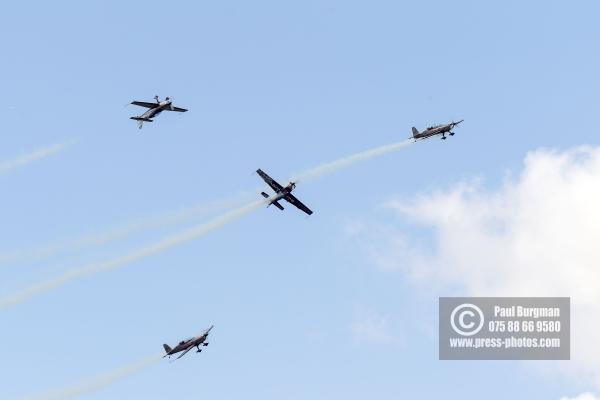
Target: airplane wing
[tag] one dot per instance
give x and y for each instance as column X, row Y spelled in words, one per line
column 144, row 104
column 294, row 201
column 270, row 181
column 184, row 353
column 178, row 109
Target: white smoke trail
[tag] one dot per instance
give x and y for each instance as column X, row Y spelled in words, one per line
column 195, row 232
column 171, row 241
column 38, row 154
column 327, row 168
column 98, row 382
column 106, row 379
column 126, row 230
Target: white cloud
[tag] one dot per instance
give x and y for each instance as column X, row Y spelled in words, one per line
column 582, row 396
column 536, row 235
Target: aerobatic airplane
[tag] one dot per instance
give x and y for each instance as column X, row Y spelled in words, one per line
column 154, row 109
column 188, row 344
column 435, row 130
column 282, row 193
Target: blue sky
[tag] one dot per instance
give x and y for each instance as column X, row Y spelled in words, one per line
column 282, row 86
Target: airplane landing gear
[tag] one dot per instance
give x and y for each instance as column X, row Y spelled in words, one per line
column 451, row 133
column 199, row 349
column 204, row 344
column 443, row 137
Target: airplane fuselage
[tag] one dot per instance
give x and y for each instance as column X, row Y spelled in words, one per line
column 438, row 130
column 153, row 112
column 280, row 194
column 435, row 130
column 287, row 190
column 184, row 345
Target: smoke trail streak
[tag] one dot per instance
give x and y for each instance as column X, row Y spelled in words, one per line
column 126, row 230
column 197, row 231
column 171, row 241
column 38, row 154
column 327, row 168
column 98, row 382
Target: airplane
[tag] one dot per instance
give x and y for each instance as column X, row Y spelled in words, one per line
column 188, row 344
column 154, row 109
column 281, row 192
column 435, row 130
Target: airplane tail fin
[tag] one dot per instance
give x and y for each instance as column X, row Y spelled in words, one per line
column 168, row 349
column 415, row 131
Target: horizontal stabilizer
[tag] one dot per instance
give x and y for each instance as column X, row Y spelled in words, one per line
column 141, row 119
column 276, row 204
column 178, row 109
